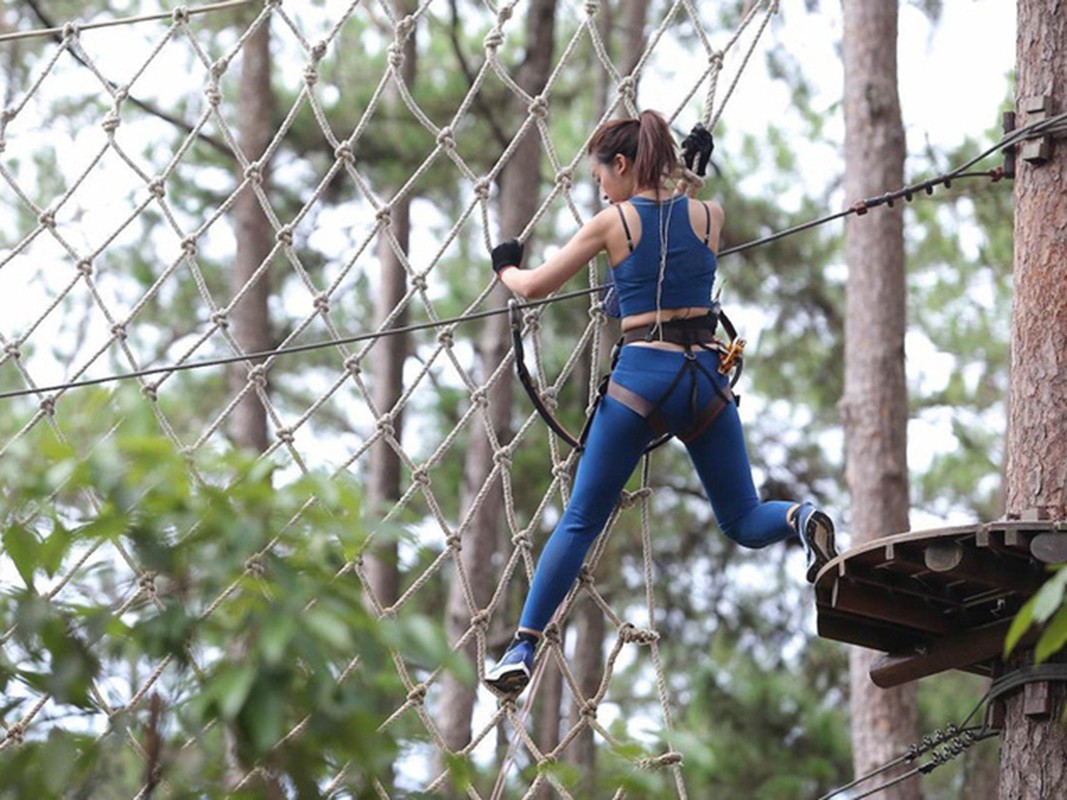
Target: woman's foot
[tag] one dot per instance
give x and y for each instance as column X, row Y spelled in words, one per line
column 514, row 669
column 816, row 532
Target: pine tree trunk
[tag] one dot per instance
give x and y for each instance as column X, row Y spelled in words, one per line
column 1034, row 749
column 250, row 320
column 383, row 480
column 518, row 202
column 874, row 407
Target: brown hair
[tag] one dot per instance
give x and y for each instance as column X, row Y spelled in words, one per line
column 646, row 140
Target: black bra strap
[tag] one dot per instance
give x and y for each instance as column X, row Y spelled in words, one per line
column 625, row 227
column 707, row 227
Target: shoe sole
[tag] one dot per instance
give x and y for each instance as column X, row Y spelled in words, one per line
column 820, row 535
column 511, row 681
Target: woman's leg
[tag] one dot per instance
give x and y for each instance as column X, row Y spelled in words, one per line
column 721, row 461
column 617, row 439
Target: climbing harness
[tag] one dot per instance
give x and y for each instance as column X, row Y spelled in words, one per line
column 698, row 332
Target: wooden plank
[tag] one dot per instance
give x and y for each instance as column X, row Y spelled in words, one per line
column 960, row 651
column 981, row 567
column 862, row 632
column 876, row 603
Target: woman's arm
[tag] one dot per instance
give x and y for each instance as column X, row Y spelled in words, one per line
column 564, row 263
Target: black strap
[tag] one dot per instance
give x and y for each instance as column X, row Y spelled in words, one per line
column 707, row 226
column 625, row 227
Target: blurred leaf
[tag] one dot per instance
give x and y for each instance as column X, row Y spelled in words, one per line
column 22, row 545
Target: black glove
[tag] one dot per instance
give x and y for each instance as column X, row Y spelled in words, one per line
column 698, row 143
column 507, row 254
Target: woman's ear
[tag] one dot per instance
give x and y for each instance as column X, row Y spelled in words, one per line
column 621, row 163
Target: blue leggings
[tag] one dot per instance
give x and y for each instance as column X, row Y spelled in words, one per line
column 617, row 439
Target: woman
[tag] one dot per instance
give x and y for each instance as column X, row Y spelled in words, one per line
column 663, row 250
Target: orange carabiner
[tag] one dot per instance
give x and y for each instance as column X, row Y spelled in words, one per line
column 730, row 355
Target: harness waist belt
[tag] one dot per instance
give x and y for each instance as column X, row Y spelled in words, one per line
column 695, row 331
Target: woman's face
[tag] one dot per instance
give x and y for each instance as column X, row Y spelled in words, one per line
column 614, row 178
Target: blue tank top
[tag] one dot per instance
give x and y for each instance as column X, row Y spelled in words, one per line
column 690, row 271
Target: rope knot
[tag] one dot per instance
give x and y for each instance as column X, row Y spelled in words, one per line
column 311, row 74
column 12, row 349
column 715, row 59
column 479, row 398
column 180, row 15
column 565, row 178
column 550, row 397
column 586, row 576
column 85, row 267
column 668, row 759
column 405, row 26
column 220, row 320
column 631, row 634
column 15, row 733
column 258, row 375
column 285, row 236
column 454, row 542
column 322, row 302
column 482, row 189
column 417, row 696
column 318, row 50
column 71, row 30
column 532, row 321
column 592, row 7
column 628, row 88
column 446, row 338
column 150, row 391
column 213, row 95
column 47, row 218
column 48, row 405
column 384, row 215
column 631, row 499
column 352, row 366
column 253, row 172
column 521, row 539
column 189, row 246
column 395, row 55
column 146, row 582
column 493, row 39
column 502, row 457
column 122, row 94
column 552, row 634
column 385, row 425
column 421, row 476
column 7, row 114
column 218, row 69
column 285, row 435
column 254, row 566
column 156, row 188
column 480, row 620
column 562, row 472
column 418, row 283
column 539, row 107
column 344, row 153
column 118, row 330
column 589, row 709
column 445, row 139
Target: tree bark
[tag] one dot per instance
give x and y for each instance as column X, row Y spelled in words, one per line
column 874, row 407
column 250, row 319
column 518, row 202
column 383, row 480
column 1034, row 750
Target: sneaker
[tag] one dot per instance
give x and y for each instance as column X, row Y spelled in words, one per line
column 816, row 532
column 512, row 672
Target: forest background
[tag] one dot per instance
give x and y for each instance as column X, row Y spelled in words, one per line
column 762, row 711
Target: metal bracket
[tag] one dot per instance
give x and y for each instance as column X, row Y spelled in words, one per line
column 1038, row 108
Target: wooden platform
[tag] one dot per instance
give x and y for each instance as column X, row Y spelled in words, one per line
column 939, row 599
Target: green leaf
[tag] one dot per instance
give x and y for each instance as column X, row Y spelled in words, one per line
column 54, row 548
column 1050, row 596
column 232, row 685
column 1054, row 637
column 1019, row 626
column 329, row 628
column 23, row 547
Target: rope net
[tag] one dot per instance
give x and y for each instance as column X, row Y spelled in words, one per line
column 103, row 153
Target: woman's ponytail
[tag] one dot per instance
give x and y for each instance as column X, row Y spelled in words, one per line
column 646, row 140
column 656, row 156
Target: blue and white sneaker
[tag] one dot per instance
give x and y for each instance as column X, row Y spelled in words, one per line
column 512, row 672
column 816, row 532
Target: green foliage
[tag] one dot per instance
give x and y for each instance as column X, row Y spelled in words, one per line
column 1048, row 609
column 246, row 594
